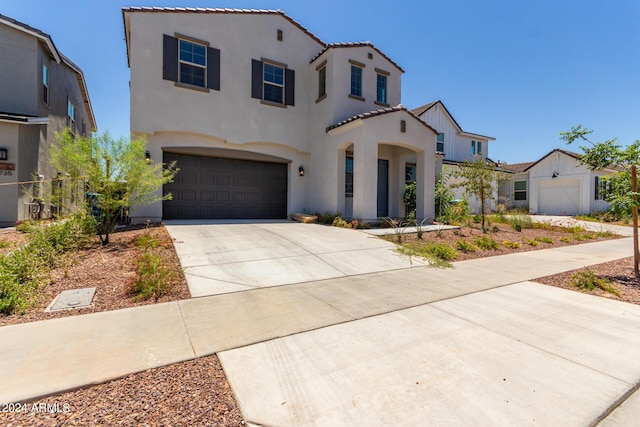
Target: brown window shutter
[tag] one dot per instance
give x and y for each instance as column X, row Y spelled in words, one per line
column 213, row 68
column 256, row 79
column 289, row 86
column 170, row 58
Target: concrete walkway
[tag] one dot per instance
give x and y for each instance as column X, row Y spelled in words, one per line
column 460, row 334
column 230, row 256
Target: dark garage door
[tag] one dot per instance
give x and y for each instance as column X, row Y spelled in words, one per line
column 219, row 188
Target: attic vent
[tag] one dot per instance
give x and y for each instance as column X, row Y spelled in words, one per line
column 280, row 37
column 370, row 55
column 403, row 126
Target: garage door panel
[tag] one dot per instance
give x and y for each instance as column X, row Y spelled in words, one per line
column 217, row 188
column 561, row 197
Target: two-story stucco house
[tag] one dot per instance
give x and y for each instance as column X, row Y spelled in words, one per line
column 265, row 119
column 454, row 146
column 41, row 93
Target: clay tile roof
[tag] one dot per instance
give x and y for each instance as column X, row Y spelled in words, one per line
column 355, row 44
column 376, row 113
column 222, row 10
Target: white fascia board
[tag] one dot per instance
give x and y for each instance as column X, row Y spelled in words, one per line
column 477, row 136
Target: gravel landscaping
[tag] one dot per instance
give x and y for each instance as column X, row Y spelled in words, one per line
column 620, row 272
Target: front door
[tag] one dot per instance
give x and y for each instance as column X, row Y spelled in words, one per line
column 383, row 188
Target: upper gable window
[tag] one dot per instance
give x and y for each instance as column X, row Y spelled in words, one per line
column 273, row 87
column 440, row 143
column 356, row 81
column 190, row 63
column 272, row 82
column 45, row 83
column 193, row 63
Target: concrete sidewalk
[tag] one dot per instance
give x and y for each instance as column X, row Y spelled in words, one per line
column 48, row 357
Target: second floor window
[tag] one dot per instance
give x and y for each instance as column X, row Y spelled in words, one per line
column 71, row 116
column 381, row 89
column 193, row 63
column 45, row 84
column 476, row 148
column 322, row 82
column 273, row 89
column 440, row 143
column 356, row 80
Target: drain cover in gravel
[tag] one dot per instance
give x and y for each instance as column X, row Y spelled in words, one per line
column 74, row 298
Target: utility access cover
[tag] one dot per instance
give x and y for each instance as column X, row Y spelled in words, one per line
column 74, row 298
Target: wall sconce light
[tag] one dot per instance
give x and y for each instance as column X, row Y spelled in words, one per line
column 555, row 174
column 147, row 156
column 4, row 154
column 301, row 171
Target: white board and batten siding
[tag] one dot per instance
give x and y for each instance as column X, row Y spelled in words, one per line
column 559, row 185
column 456, row 147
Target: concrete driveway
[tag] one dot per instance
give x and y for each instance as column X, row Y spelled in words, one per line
column 228, row 256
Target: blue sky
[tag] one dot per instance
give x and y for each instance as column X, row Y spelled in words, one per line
column 520, row 71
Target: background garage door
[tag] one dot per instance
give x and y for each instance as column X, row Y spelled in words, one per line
column 218, row 188
column 559, row 197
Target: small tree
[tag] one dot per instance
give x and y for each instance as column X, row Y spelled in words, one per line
column 480, row 179
column 601, row 155
column 117, row 172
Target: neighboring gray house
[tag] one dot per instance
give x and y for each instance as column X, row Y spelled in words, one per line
column 41, row 93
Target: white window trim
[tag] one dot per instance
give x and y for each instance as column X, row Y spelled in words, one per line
column 282, row 86
column 525, row 191
column 351, row 80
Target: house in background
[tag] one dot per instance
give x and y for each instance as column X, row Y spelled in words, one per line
column 556, row 184
column 265, row 119
column 41, row 93
column 454, row 146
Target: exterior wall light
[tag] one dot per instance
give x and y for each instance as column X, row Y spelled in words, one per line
column 555, row 174
column 4, row 154
column 147, row 156
column 301, row 170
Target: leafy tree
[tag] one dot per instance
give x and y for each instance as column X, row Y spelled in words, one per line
column 480, row 179
column 600, row 155
column 116, row 171
column 409, row 198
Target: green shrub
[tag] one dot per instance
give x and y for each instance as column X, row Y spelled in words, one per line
column 327, row 217
column 477, row 219
column 465, row 246
column 340, row 222
column 153, row 279
column 588, row 281
column 532, row 242
column 23, row 272
column 146, row 241
column 565, row 239
column 520, row 222
column 409, row 199
column 442, row 251
column 486, row 242
column 4, row 244
column 548, row 240
column 511, row 245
